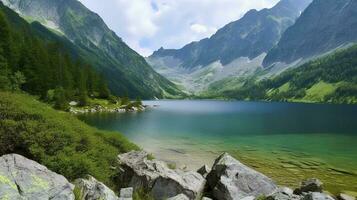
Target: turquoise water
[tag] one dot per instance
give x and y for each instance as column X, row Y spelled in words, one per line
column 293, row 136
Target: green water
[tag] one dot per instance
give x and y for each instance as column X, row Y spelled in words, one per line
column 286, row 141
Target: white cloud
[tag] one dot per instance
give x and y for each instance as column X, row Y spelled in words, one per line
column 147, row 25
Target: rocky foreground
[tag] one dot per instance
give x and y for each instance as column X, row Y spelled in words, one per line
column 21, row 178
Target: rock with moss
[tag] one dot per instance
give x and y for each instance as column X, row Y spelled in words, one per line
column 231, row 180
column 21, row 178
column 156, row 178
column 91, row 189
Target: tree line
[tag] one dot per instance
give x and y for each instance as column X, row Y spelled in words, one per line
column 44, row 68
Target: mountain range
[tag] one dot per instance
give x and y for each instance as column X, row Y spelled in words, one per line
column 324, row 26
column 236, row 49
column 125, row 70
column 260, row 45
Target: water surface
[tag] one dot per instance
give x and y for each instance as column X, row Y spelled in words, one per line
column 286, row 141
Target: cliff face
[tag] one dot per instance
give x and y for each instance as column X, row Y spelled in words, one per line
column 126, row 71
column 324, row 26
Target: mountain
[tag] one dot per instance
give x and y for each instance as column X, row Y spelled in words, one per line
column 126, row 71
column 329, row 79
column 237, row 44
column 324, row 26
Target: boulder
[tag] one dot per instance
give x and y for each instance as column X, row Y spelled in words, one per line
column 283, row 193
column 154, row 176
column 345, row 197
column 91, row 189
column 204, row 170
column 206, row 198
column 179, row 197
column 231, row 180
column 126, row 193
column 316, row 196
column 21, row 178
column 310, row 185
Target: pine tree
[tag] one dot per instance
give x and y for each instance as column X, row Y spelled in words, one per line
column 104, row 92
column 60, row 99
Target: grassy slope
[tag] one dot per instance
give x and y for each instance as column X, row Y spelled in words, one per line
column 331, row 79
column 57, row 140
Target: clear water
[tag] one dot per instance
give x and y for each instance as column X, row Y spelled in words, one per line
column 307, row 139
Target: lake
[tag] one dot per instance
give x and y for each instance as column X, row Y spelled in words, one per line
column 286, row 141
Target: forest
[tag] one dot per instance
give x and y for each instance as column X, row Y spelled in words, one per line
column 44, row 66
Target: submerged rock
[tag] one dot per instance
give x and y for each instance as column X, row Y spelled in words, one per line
column 21, row 178
column 231, row 180
column 91, row 189
column 345, row 197
column 156, row 177
column 310, row 185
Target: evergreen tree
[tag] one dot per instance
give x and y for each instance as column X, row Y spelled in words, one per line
column 60, row 99
column 104, row 92
column 17, row 80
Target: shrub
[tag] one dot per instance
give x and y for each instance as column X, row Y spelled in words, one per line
column 58, row 140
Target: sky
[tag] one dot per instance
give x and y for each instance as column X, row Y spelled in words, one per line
column 147, row 25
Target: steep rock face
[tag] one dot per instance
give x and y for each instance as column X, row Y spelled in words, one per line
column 323, row 26
column 155, row 177
column 231, row 180
column 252, row 35
column 127, row 72
column 21, row 178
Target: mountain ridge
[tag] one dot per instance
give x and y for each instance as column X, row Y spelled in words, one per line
column 324, row 26
column 127, row 72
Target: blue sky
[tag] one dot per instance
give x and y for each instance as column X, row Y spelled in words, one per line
column 146, row 25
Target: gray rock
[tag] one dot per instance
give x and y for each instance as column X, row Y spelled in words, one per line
column 206, row 198
column 91, row 189
column 21, row 178
column 316, row 196
column 283, row 193
column 249, row 198
column 204, row 170
column 231, row 180
column 154, row 176
column 345, row 197
column 126, row 193
column 310, row 185
column 179, row 197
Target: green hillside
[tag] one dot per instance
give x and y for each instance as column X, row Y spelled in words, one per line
column 126, row 72
column 331, row 79
column 41, row 63
column 57, row 140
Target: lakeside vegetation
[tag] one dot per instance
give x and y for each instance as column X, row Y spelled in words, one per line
column 58, row 140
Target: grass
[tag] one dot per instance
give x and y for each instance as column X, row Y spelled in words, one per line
column 319, row 91
column 57, row 139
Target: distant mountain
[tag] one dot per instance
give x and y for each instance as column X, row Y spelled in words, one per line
column 329, row 79
column 236, row 49
column 255, row 33
column 127, row 72
column 324, row 26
